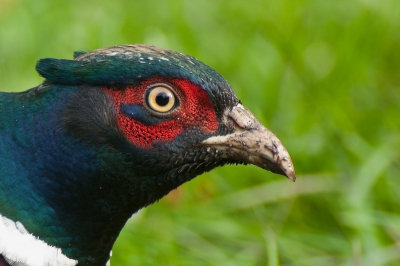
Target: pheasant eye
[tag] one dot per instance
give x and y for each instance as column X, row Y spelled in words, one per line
column 161, row 99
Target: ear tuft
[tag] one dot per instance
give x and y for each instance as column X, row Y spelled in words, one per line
column 60, row 71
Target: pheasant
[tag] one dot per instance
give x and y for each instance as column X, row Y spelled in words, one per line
column 109, row 133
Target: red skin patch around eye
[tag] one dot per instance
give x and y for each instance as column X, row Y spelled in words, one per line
column 195, row 111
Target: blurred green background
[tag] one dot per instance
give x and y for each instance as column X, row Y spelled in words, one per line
column 323, row 75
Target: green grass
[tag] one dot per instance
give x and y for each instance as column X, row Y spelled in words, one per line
column 323, row 75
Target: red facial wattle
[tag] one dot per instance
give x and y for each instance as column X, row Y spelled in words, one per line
column 194, row 111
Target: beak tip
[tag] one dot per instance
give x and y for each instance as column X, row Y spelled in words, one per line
column 286, row 166
column 291, row 176
column 288, row 172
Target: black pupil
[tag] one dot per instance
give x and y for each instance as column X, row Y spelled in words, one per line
column 162, row 99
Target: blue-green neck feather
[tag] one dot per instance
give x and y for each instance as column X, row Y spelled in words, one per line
column 43, row 170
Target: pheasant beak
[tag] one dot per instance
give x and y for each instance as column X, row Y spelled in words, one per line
column 252, row 143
